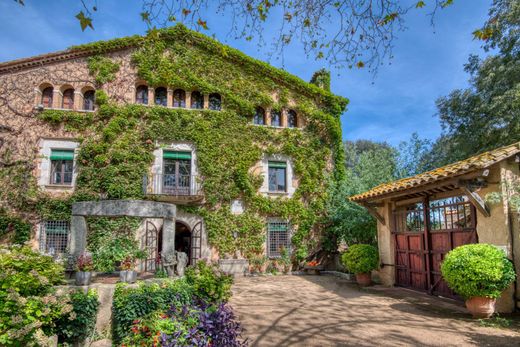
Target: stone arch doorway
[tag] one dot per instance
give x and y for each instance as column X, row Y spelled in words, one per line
column 183, row 239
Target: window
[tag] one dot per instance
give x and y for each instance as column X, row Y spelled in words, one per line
column 197, row 101
column 68, row 99
column 88, row 100
column 215, row 102
column 177, row 173
column 277, row 176
column 276, row 118
column 278, row 238
column 161, row 96
column 62, row 163
column 47, row 95
column 259, row 118
column 141, row 95
column 54, row 237
column 292, row 119
column 179, row 98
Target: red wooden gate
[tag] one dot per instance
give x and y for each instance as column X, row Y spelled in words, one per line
column 423, row 234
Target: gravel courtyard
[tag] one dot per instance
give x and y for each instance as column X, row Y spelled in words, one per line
column 328, row 311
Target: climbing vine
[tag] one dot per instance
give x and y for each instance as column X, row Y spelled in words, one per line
column 118, row 140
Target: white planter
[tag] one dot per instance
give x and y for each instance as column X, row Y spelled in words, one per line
column 129, row 276
column 83, row 278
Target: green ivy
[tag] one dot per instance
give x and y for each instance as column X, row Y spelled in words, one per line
column 117, row 141
column 79, row 324
column 19, row 230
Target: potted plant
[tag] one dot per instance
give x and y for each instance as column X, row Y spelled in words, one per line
column 128, row 273
column 85, row 266
column 479, row 273
column 285, row 261
column 313, row 267
column 361, row 260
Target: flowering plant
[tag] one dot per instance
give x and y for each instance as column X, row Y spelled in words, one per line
column 313, row 263
column 84, row 263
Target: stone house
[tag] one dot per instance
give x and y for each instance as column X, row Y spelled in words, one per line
column 237, row 140
column 421, row 218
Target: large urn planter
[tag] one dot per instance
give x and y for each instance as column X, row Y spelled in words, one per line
column 481, row 306
column 128, row 276
column 364, row 279
column 83, row 278
column 361, row 260
column 479, row 273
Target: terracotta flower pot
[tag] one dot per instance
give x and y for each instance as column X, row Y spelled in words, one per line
column 364, row 279
column 481, row 306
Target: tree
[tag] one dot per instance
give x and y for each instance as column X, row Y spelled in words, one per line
column 411, row 158
column 362, row 34
column 368, row 164
column 487, row 114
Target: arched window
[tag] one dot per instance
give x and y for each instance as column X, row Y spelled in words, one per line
column 276, row 118
column 141, row 95
column 68, row 99
column 215, row 102
column 179, row 98
column 47, row 94
column 259, row 117
column 161, row 96
column 88, row 100
column 292, row 119
column 197, row 101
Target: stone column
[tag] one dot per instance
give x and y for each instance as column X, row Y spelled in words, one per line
column 168, row 236
column 169, row 98
column 188, row 99
column 56, row 98
column 206, row 101
column 78, row 235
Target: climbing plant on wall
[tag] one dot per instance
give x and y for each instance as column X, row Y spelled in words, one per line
column 118, row 140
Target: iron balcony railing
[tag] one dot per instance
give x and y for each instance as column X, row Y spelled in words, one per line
column 172, row 185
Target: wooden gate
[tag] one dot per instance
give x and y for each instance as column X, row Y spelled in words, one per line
column 423, row 234
column 196, row 243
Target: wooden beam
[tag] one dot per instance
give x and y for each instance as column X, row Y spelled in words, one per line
column 477, row 201
column 374, row 213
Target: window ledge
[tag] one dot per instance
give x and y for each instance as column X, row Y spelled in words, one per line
column 59, row 186
column 68, row 109
column 278, row 193
column 274, row 127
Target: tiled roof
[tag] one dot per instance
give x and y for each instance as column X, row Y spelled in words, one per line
column 480, row 161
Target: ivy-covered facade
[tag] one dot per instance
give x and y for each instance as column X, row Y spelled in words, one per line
column 174, row 116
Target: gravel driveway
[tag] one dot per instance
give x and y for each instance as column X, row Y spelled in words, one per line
column 328, row 311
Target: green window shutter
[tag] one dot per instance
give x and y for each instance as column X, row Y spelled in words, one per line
column 277, row 227
column 57, row 229
column 278, row 164
column 62, row 154
column 176, row 155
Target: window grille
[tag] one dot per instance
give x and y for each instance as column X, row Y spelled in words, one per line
column 54, row 236
column 278, row 238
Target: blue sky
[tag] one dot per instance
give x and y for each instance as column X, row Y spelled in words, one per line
column 428, row 62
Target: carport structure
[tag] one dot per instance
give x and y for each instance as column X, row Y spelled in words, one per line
column 421, row 218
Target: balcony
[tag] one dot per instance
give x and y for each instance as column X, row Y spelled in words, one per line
column 180, row 189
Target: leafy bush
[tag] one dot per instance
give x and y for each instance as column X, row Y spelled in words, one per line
column 361, row 258
column 477, row 270
column 29, row 307
column 195, row 324
column 115, row 251
column 209, row 282
column 131, row 304
column 76, row 326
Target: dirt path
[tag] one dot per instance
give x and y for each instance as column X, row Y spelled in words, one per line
column 327, row 311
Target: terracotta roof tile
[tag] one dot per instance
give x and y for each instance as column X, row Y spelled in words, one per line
column 480, row 161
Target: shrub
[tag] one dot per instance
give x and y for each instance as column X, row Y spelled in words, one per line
column 209, row 282
column 76, row 326
column 195, row 324
column 29, row 307
column 360, row 258
column 131, row 304
column 115, row 251
column 477, row 270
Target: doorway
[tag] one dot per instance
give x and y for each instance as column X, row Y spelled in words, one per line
column 183, row 239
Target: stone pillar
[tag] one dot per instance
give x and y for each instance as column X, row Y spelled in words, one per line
column 78, row 100
column 151, row 96
column 188, row 99
column 206, row 101
column 168, row 236
column 169, row 98
column 56, row 98
column 78, row 235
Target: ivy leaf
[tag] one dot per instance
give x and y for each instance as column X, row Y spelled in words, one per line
column 420, row 4
column 446, row 3
column 203, row 24
column 186, row 12
column 145, row 16
column 84, row 21
column 288, row 16
column 360, row 64
column 388, row 18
